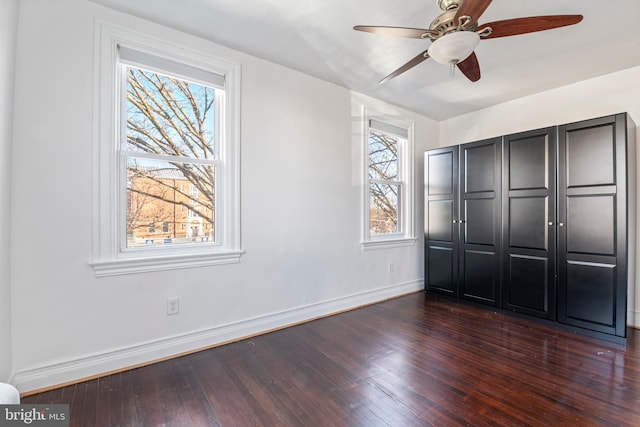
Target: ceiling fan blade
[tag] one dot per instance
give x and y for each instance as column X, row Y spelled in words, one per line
column 472, row 8
column 470, row 67
column 532, row 24
column 415, row 61
column 411, row 33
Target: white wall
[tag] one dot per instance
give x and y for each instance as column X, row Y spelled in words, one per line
column 301, row 213
column 8, row 34
column 614, row 93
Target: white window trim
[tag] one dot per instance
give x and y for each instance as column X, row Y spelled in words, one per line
column 108, row 259
column 407, row 219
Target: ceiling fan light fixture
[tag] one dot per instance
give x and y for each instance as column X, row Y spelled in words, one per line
column 454, row 47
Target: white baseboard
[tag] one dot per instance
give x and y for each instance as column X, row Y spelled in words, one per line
column 78, row 368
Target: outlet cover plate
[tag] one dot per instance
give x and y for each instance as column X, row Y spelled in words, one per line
column 173, row 306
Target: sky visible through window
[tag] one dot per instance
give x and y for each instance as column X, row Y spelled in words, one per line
column 169, row 153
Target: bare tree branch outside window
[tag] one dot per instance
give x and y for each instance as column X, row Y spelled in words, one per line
column 169, row 147
column 385, row 188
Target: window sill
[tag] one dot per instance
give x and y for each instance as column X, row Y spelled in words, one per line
column 115, row 267
column 388, row 243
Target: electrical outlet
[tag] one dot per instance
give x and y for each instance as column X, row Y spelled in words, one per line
column 391, row 267
column 173, row 306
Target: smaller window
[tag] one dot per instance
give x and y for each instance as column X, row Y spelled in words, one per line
column 385, row 185
column 388, row 190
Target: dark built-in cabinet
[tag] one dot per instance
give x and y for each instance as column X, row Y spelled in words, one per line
column 537, row 222
column 463, row 221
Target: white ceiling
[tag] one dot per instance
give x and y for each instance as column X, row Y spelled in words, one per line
column 316, row 37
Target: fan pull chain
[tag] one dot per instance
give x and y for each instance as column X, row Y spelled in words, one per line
column 453, row 70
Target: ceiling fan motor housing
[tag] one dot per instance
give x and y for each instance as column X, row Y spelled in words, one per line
column 446, row 23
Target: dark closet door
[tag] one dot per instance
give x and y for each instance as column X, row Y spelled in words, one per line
column 529, row 209
column 592, row 232
column 479, row 222
column 441, row 220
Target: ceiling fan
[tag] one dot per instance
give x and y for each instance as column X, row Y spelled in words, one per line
column 455, row 33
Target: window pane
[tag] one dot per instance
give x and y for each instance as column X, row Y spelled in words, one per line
column 170, row 116
column 169, row 203
column 384, row 208
column 383, row 156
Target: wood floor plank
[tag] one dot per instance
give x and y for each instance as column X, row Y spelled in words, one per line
column 107, row 408
column 418, row 360
column 192, row 399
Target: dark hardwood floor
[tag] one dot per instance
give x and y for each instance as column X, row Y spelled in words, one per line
column 413, row 361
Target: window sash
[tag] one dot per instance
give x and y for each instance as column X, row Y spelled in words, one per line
column 167, row 182
column 401, row 135
column 218, row 124
column 396, row 206
column 133, row 58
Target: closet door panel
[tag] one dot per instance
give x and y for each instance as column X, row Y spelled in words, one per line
column 478, row 164
column 528, row 222
column 528, row 283
column 591, row 224
column 591, row 298
column 440, row 225
column 529, row 226
column 531, row 155
column 441, row 221
column 441, row 267
column 479, row 225
column 440, row 166
column 481, row 280
column 592, row 243
column 480, row 199
column 586, row 148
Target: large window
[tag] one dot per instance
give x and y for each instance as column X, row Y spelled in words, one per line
column 389, row 201
column 168, row 137
column 168, row 156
